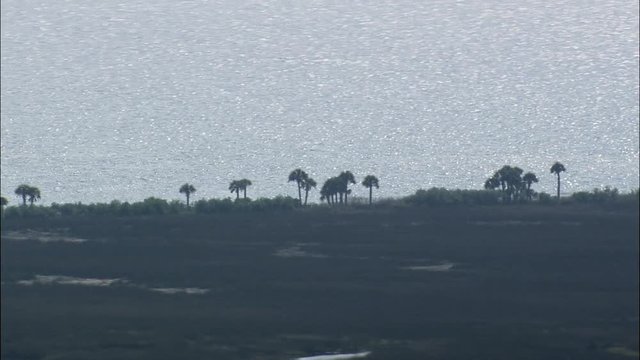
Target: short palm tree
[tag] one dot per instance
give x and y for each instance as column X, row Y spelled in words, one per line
column 557, row 168
column 187, row 189
column 370, row 181
column 529, row 178
column 34, row 194
column 299, row 177
column 23, row 191
column 307, row 185
column 235, row 187
column 244, row 183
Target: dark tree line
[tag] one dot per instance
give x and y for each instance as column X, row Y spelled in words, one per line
column 516, row 186
column 513, row 182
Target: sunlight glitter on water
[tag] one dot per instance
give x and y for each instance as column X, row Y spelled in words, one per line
column 421, row 94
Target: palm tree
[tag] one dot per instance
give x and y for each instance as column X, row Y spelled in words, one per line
column 325, row 192
column 243, row 185
column 307, row 185
column 557, row 168
column 330, row 190
column 235, row 187
column 3, row 203
column 529, row 178
column 23, row 191
column 34, row 194
column 346, row 178
column 493, row 182
column 187, row 189
column 299, row 177
column 370, row 181
column 514, row 182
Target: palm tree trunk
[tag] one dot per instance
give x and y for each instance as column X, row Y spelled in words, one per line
column 24, row 200
column 238, row 194
column 245, row 192
column 558, row 186
column 345, row 197
column 306, row 196
column 299, row 193
column 187, row 200
column 370, row 194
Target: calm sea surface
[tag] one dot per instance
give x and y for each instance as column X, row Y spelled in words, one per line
column 131, row 99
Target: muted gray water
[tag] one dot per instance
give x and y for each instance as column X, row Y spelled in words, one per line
column 130, row 99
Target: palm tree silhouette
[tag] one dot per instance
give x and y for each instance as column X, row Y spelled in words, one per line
column 235, row 187
column 187, row 189
column 243, row 185
column 557, row 168
column 528, row 179
column 299, row 177
column 370, row 181
column 493, row 182
column 330, row 190
column 34, row 194
column 23, row 191
column 307, row 185
column 346, row 178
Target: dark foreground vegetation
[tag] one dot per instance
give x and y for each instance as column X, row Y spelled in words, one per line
column 403, row 279
column 434, row 197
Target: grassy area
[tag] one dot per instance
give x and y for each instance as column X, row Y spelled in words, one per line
column 404, row 282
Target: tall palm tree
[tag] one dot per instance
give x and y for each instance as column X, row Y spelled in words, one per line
column 307, row 185
column 370, row 181
column 346, row 178
column 34, row 194
column 299, row 177
column 235, row 187
column 243, row 185
column 514, row 182
column 557, row 168
column 23, row 191
column 187, row 189
column 529, row 178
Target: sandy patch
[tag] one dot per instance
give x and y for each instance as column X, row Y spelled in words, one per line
column 188, row 291
column 68, row 280
column 435, row 268
column 623, row 351
column 337, row 356
column 506, row 223
column 296, row 251
column 44, row 237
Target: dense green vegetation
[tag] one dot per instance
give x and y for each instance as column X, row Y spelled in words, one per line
column 432, row 197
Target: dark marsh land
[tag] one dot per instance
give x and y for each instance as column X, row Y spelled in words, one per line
column 495, row 282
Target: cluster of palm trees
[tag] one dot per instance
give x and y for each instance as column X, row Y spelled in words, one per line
column 514, row 184
column 304, row 182
column 336, row 189
column 510, row 180
column 239, row 185
column 28, row 192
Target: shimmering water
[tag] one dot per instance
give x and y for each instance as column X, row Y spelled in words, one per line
column 130, row 99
